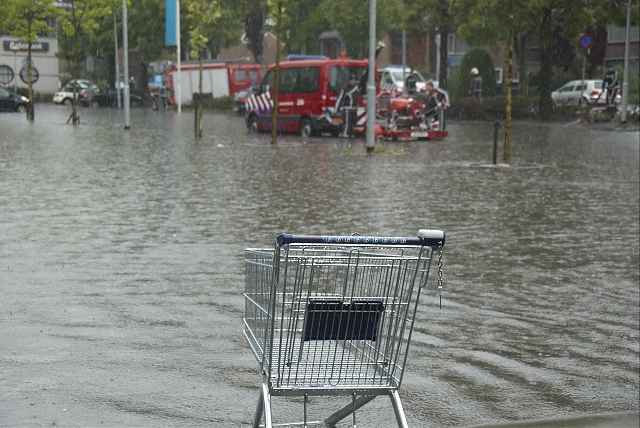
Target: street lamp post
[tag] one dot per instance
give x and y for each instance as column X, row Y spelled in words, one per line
column 15, row 69
column 125, row 49
column 625, row 83
column 371, row 84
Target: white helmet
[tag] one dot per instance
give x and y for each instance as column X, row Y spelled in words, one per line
column 474, row 71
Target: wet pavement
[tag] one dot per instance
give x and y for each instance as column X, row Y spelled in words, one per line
column 121, row 267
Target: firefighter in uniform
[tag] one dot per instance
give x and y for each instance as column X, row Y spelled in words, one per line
column 348, row 102
column 410, row 83
column 611, row 83
column 475, row 85
column 436, row 105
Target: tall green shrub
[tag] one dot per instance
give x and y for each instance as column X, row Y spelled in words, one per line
column 481, row 60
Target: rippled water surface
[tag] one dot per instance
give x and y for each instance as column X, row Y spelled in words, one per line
column 121, row 267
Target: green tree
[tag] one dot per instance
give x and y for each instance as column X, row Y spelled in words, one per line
column 146, row 31
column 146, row 34
column 304, row 25
column 481, row 22
column 200, row 14
column 433, row 15
column 480, row 59
column 80, row 19
column 254, row 29
column 26, row 19
column 226, row 30
column 351, row 19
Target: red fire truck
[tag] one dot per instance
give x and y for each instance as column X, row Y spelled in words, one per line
column 309, row 88
column 219, row 78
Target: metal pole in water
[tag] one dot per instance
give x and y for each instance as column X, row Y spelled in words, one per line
column 178, row 86
column 584, row 64
column 371, row 84
column 507, row 110
column 125, row 49
column 496, row 125
column 625, row 83
column 115, row 41
column 404, row 60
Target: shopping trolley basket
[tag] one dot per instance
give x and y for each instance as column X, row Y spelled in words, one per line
column 333, row 315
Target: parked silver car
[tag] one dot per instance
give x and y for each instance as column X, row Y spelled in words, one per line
column 574, row 93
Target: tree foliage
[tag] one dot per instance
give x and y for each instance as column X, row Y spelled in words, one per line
column 480, row 59
column 82, row 19
column 481, row 22
column 25, row 20
column 253, row 29
column 351, row 19
column 433, row 15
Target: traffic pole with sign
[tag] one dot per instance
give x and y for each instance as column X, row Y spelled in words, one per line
column 585, row 42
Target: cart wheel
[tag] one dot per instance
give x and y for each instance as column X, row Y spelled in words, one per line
column 305, row 128
column 253, row 124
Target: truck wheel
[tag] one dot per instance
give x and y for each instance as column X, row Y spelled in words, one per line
column 253, row 124
column 94, row 104
column 66, row 101
column 305, row 128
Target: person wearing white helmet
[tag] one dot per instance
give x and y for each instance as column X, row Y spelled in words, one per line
column 475, row 86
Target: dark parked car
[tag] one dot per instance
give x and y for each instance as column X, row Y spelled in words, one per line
column 105, row 97
column 10, row 101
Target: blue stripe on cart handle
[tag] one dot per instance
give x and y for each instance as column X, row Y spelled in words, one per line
column 426, row 237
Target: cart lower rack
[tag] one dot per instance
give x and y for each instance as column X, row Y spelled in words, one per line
column 333, row 315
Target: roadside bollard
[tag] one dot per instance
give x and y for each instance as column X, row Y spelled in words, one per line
column 496, row 125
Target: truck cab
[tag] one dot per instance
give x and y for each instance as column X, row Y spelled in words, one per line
column 309, row 89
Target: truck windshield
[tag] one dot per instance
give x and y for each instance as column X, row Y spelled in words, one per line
column 339, row 75
column 267, row 82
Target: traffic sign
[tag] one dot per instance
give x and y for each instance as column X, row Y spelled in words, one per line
column 586, row 41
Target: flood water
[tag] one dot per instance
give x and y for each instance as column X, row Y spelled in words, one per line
column 121, row 267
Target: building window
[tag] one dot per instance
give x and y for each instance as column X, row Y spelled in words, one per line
column 241, row 75
column 397, row 45
column 619, row 34
column 456, row 45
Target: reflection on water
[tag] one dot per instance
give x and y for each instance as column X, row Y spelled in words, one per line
column 121, row 266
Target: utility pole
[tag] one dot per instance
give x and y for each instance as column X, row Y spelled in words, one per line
column 625, row 84
column 178, row 87
column 115, row 42
column 371, row 84
column 125, row 48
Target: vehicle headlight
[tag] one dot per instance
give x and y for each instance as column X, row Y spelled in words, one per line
column 24, row 99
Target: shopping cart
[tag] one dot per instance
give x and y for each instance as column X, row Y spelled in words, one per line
column 333, row 316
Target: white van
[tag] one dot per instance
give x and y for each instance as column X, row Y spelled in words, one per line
column 392, row 76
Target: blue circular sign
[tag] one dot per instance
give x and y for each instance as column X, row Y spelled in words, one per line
column 586, row 41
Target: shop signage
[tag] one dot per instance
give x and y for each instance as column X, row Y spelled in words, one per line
column 10, row 45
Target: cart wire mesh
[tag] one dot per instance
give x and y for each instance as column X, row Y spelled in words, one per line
column 333, row 315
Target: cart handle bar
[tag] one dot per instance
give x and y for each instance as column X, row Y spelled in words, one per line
column 426, row 237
